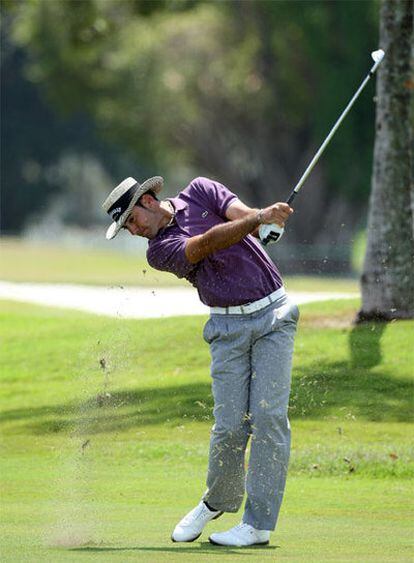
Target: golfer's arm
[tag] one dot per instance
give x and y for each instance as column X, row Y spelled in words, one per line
column 221, row 236
column 238, row 210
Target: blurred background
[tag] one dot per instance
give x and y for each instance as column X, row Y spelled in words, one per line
column 241, row 91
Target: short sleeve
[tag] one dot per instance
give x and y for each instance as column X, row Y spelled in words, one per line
column 215, row 196
column 168, row 255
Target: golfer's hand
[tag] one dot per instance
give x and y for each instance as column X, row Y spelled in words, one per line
column 277, row 213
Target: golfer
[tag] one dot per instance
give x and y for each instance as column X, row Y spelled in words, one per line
column 208, row 236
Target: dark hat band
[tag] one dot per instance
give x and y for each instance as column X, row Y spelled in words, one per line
column 121, row 204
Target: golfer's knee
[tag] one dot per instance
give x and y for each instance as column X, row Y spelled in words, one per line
column 270, row 422
column 232, row 431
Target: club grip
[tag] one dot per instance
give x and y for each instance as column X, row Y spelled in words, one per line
column 291, row 197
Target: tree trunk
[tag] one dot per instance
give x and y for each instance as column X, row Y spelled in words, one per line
column 388, row 275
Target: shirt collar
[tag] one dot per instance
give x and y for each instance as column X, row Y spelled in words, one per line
column 178, row 203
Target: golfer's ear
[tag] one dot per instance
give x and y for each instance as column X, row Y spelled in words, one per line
column 146, row 200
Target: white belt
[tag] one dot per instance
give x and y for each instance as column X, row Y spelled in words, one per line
column 249, row 307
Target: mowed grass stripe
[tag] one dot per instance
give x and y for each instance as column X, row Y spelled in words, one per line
column 73, row 372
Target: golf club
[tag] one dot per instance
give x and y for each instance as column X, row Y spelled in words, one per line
column 272, row 233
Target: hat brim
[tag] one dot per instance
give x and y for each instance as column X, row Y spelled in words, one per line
column 155, row 184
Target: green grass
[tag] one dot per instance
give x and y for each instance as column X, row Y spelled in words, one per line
column 105, row 427
column 50, row 263
column 33, row 262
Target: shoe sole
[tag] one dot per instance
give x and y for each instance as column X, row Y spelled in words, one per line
column 228, row 545
column 186, row 541
column 196, row 538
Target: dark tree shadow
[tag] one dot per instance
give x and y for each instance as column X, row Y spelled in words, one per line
column 328, row 387
column 365, row 344
column 120, row 410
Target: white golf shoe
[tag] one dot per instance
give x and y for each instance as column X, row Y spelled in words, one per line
column 191, row 526
column 240, row 536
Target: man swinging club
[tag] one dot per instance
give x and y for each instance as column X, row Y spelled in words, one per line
column 207, row 235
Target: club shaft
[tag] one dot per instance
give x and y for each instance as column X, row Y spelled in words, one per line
column 329, row 137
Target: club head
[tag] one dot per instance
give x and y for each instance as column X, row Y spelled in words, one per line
column 377, row 56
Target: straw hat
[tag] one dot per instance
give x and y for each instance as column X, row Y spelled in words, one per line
column 122, row 199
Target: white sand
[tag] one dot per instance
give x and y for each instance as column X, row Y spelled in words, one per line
column 128, row 303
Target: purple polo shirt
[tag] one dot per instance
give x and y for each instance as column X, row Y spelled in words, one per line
column 234, row 276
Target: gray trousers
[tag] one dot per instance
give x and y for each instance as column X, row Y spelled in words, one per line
column 251, row 367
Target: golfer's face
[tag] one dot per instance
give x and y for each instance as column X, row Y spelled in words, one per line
column 141, row 222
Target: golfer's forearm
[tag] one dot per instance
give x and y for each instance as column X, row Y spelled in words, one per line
column 221, row 237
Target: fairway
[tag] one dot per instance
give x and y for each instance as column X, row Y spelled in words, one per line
column 105, row 429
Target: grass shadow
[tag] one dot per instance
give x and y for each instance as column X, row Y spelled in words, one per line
column 202, row 548
column 350, row 387
column 338, row 388
column 320, row 389
column 120, row 410
column 365, row 344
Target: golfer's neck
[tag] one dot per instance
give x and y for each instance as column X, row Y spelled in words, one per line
column 166, row 213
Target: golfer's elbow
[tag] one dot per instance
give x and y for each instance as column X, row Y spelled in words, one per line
column 197, row 248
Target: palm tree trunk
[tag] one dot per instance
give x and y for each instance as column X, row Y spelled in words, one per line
column 388, row 276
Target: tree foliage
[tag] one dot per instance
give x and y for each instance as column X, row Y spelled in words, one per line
column 243, row 91
column 35, row 139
